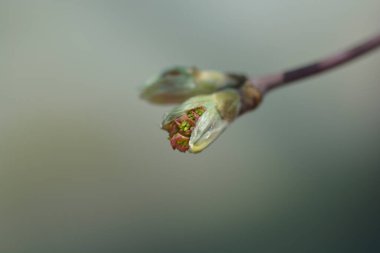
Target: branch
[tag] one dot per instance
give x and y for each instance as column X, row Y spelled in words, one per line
column 212, row 99
column 270, row 82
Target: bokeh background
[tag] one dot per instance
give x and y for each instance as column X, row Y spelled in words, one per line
column 84, row 166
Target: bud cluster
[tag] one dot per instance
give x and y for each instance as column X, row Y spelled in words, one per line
column 210, row 100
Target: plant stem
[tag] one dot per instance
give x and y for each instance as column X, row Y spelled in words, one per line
column 270, row 82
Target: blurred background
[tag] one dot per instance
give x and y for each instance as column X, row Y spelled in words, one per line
column 84, row 166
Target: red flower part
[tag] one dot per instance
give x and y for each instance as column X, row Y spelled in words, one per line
column 172, row 129
column 180, row 142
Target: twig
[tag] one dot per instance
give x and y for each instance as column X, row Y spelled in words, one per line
column 270, row 82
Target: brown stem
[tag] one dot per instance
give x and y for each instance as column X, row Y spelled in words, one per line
column 270, row 82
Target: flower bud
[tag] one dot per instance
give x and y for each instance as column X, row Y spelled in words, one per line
column 180, row 83
column 195, row 124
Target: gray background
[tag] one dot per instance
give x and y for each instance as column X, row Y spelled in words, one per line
column 84, row 166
